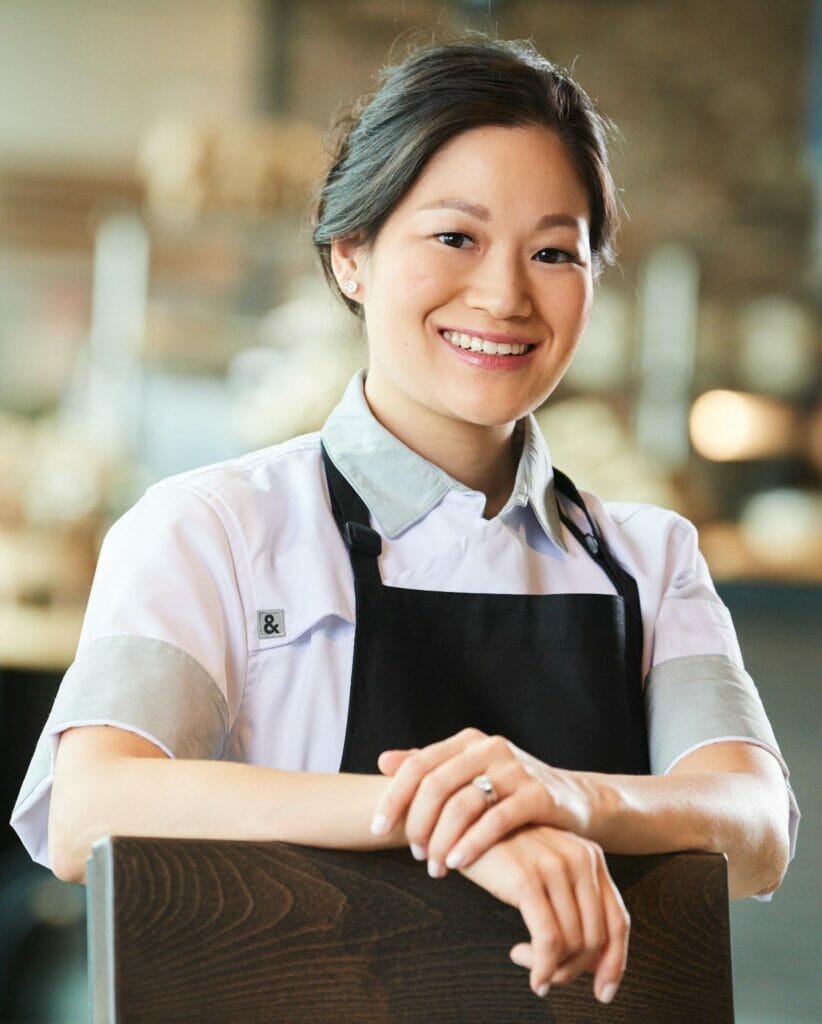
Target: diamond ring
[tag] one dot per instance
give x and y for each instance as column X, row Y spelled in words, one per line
column 483, row 783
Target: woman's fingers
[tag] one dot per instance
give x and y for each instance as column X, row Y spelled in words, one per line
column 447, row 805
column 437, row 833
column 447, row 788
column 527, row 802
column 522, row 955
column 390, row 760
column 588, row 895
column 606, row 927
column 432, row 775
column 611, row 967
column 402, row 787
column 548, row 947
column 549, row 908
column 572, row 886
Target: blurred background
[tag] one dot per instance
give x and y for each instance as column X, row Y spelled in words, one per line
column 160, row 308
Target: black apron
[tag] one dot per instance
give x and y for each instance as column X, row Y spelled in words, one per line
column 559, row 675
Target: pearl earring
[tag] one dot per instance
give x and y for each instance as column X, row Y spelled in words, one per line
column 350, row 286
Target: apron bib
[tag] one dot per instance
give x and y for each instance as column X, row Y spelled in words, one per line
column 559, row 675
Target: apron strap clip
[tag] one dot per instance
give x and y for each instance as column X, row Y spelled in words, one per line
column 591, row 543
column 363, row 539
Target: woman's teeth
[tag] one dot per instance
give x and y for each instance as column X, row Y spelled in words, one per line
column 481, row 345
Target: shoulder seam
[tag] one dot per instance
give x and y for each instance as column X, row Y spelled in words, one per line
column 273, row 453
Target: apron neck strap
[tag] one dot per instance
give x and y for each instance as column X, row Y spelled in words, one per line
column 624, row 583
column 592, row 541
column 352, row 517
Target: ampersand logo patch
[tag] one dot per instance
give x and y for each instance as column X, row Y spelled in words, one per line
column 271, row 623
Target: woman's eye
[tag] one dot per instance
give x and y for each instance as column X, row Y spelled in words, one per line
column 458, row 235
column 555, row 256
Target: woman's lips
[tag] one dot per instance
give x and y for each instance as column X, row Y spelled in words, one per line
column 489, row 360
column 493, row 336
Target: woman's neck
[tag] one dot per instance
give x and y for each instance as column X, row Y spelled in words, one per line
column 484, row 458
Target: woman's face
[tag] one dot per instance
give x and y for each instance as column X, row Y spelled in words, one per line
column 490, row 245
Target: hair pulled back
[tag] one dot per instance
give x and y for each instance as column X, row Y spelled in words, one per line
column 438, row 91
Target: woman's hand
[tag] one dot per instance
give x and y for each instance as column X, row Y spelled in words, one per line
column 449, row 821
column 574, row 913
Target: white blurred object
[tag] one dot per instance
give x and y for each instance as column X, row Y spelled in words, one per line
column 668, row 311
column 187, row 423
column 310, row 347
column 588, row 441
column 51, row 474
column 118, row 321
column 733, row 425
column 601, row 362
column 784, row 526
column 779, row 349
column 173, row 160
column 66, row 477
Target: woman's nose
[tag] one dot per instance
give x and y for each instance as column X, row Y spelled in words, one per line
column 501, row 287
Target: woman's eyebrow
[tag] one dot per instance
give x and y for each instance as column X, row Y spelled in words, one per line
column 549, row 220
column 480, row 212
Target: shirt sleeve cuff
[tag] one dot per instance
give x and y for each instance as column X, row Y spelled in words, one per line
column 700, row 699
column 146, row 686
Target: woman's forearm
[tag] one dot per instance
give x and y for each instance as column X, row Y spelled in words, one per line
column 724, row 798
column 156, row 796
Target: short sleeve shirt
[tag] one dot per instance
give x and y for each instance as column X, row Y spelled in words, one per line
column 221, row 618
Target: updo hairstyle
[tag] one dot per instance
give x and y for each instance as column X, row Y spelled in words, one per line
column 439, row 90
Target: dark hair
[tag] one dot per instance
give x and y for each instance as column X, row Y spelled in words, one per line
column 438, row 91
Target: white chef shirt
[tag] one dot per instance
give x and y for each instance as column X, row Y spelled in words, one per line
column 176, row 645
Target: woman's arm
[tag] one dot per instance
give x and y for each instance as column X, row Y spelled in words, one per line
column 108, row 781
column 726, row 797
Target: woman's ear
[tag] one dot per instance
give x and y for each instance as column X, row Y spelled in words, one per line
column 348, row 260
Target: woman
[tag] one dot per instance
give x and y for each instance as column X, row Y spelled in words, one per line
column 416, row 583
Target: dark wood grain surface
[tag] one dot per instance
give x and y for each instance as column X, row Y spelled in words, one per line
column 205, row 931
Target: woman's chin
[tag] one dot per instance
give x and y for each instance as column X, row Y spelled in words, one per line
column 488, row 413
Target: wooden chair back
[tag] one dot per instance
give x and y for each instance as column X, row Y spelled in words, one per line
column 198, row 931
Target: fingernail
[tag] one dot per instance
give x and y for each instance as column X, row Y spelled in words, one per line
column 518, row 959
column 434, row 869
column 417, row 852
column 454, row 859
column 543, row 990
column 379, row 826
column 608, row 993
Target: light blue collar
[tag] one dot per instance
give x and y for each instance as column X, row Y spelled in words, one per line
column 400, row 487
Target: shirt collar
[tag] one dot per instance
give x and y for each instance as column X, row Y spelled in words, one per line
column 400, row 487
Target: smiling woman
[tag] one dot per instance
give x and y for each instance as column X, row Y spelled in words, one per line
column 436, row 313
column 416, row 590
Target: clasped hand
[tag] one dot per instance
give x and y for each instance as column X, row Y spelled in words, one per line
column 530, row 849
